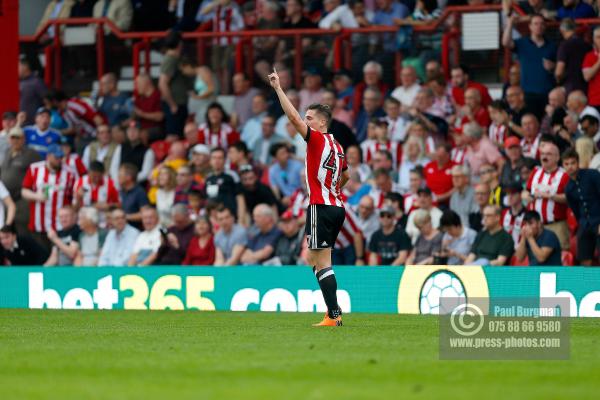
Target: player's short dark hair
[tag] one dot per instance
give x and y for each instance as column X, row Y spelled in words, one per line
column 589, row 118
column 97, row 166
column 323, row 109
column 570, row 153
column 532, row 215
column 449, row 219
column 9, row 229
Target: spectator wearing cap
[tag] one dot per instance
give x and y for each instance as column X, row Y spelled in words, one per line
column 428, row 241
column 146, row 106
column 537, row 59
column 457, row 239
column 583, row 192
column 425, row 202
column 540, row 245
column 438, row 175
column 546, row 192
column 200, row 162
column 312, row 90
column 389, row 245
column 9, row 121
column 459, row 77
column 407, row 91
column 492, row 246
column 254, row 193
column 371, row 108
column 511, row 170
column 264, row 236
column 571, row 53
column 72, row 159
column 12, row 171
column 289, row 245
column 110, row 102
column 133, row 197
column 512, row 216
column 480, row 150
column 590, row 67
column 31, row 91
column 104, row 150
column 462, row 200
column 47, row 186
column 39, row 136
column 253, row 128
column 231, row 239
column 284, row 173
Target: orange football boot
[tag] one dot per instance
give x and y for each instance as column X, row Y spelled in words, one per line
column 327, row 321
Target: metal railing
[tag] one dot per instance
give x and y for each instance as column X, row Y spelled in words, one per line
column 244, row 54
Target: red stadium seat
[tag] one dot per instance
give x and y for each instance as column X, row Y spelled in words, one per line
column 567, row 258
column 516, row 263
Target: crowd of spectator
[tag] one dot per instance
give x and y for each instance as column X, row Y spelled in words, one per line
column 439, row 171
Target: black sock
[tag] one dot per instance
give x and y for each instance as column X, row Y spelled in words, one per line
column 328, row 285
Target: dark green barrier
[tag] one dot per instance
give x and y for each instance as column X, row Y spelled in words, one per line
column 414, row 289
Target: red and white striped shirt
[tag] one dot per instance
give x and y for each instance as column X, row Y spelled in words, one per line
column 349, row 230
column 410, row 202
column 80, row 115
column 105, row 192
column 370, row 147
column 513, row 223
column 58, row 187
column 552, row 183
column 298, row 203
column 378, row 195
column 325, row 162
column 531, row 149
column 457, row 155
column 224, row 138
column 498, row 133
column 76, row 163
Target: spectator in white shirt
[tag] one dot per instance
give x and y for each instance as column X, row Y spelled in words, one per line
column 407, row 92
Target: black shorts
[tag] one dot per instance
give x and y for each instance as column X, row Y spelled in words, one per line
column 587, row 241
column 323, row 223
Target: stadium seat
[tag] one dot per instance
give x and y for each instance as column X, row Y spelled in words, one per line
column 567, row 258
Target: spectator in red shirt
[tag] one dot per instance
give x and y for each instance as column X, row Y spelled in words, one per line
column 590, row 67
column 438, row 174
column 460, row 83
column 147, row 107
column 201, row 250
column 473, row 111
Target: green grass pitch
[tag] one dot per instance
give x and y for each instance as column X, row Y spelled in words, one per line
column 195, row 355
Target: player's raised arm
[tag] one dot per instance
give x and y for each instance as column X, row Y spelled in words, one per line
column 287, row 106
